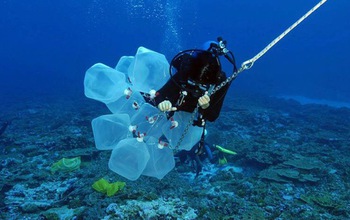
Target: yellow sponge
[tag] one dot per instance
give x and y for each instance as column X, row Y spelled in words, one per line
column 103, row 186
column 66, row 165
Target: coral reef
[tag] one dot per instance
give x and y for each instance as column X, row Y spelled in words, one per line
column 292, row 162
column 33, row 199
column 304, row 163
column 170, row 208
column 285, row 175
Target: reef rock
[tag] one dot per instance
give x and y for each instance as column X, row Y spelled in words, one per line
column 284, row 175
column 304, row 163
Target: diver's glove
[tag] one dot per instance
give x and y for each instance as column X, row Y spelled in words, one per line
column 165, row 106
column 204, row 100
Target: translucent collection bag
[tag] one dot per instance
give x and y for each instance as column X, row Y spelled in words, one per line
column 138, row 134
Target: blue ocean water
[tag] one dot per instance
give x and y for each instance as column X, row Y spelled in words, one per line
column 282, row 157
column 46, row 46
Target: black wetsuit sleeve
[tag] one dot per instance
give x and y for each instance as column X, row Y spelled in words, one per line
column 170, row 91
column 216, row 101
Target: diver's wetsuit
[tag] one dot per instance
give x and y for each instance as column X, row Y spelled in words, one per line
column 170, row 91
column 173, row 89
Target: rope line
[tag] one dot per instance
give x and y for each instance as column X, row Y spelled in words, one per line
column 249, row 63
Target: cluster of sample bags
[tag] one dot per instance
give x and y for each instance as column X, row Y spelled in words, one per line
column 140, row 136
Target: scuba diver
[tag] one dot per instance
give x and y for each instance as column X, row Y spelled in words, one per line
column 195, row 74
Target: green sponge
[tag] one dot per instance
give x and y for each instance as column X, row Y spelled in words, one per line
column 66, row 165
column 103, row 186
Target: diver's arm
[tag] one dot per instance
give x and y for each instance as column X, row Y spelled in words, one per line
column 167, row 95
column 165, row 106
column 216, row 101
column 204, row 101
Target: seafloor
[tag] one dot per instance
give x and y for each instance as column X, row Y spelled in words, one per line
column 292, row 162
